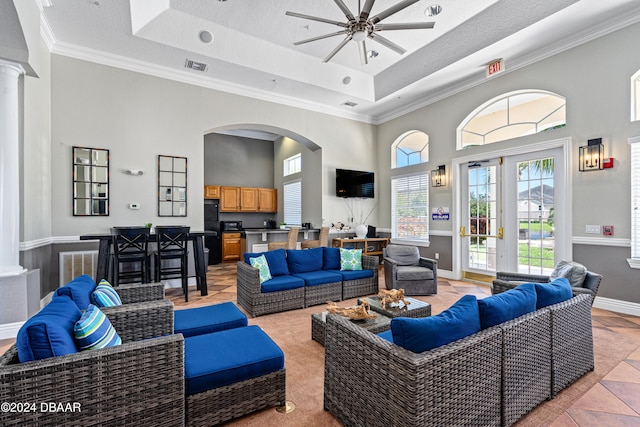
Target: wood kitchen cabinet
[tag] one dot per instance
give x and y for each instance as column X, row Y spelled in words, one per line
column 229, row 199
column 248, row 199
column 231, row 246
column 267, row 200
column 211, row 191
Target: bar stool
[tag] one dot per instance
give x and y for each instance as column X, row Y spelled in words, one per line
column 131, row 249
column 172, row 245
column 323, row 240
column 290, row 243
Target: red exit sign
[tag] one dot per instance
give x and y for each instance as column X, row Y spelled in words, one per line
column 495, row 67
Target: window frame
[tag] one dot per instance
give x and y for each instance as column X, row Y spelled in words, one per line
column 295, row 161
column 634, row 261
column 425, row 180
column 398, row 144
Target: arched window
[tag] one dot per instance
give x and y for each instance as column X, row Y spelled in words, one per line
column 511, row 115
column 411, row 148
column 635, row 96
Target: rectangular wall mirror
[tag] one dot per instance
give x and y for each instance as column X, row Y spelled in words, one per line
column 172, row 186
column 90, row 181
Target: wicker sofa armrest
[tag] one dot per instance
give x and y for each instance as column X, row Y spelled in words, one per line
column 370, row 263
column 522, row 277
column 248, row 279
column 140, row 292
column 141, row 320
column 136, row 383
column 370, row 381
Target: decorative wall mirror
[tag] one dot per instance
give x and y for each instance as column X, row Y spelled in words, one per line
column 172, row 186
column 90, row 181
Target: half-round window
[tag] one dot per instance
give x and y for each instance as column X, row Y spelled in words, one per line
column 512, row 115
column 411, row 148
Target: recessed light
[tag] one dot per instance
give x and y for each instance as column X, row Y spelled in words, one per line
column 205, row 36
column 346, row 80
column 433, row 10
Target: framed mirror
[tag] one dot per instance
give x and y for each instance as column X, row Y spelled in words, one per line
column 172, row 186
column 90, row 181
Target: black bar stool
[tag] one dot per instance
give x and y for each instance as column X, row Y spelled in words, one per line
column 172, row 245
column 131, row 249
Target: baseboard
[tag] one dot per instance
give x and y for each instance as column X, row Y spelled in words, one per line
column 10, row 330
column 447, row 274
column 617, row 306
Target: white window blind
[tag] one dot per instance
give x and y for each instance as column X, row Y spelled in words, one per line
column 292, row 194
column 635, row 198
column 410, row 207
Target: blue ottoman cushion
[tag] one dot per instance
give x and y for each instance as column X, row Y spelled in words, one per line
column 79, row 290
column 227, row 357
column 204, row 320
column 315, row 278
column 281, row 283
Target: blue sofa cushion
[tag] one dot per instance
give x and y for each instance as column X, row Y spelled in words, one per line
column 204, row 320
column 79, row 290
column 227, row 357
column 353, row 274
column 552, row 293
column 304, row 260
column 314, row 278
column 330, row 258
column 94, row 330
column 386, row 335
column 281, row 283
column 49, row 332
column 277, row 261
column 105, row 296
column 507, row 305
column 458, row 321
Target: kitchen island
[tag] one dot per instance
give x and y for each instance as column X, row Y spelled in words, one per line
column 259, row 238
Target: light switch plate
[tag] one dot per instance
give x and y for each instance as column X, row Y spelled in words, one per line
column 592, row 229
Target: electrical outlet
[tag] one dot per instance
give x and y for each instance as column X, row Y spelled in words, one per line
column 592, row 229
column 437, row 255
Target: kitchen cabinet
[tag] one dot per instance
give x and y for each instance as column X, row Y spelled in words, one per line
column 231, row 246
column 211, row 191
column 267, row 200
column 248, row 199
column 229, row 199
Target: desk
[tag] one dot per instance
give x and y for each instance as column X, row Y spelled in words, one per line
column 104, row 251
column 372, row 246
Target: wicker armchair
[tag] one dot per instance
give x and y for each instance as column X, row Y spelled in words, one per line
column 140, row 382
column 404, row 268
column 140, row 292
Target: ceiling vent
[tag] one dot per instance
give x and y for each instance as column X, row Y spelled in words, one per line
column 194, row 65
column 349, row 104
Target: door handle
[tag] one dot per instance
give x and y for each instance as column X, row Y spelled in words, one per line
column 500, row 235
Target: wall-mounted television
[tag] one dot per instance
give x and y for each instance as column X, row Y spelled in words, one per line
column 350, row 183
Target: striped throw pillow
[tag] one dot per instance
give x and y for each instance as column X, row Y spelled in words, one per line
column 105, row 296
column 94, row 330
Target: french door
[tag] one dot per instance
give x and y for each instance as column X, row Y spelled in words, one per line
column 512, row 214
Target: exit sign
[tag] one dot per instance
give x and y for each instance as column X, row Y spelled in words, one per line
column 495, row 67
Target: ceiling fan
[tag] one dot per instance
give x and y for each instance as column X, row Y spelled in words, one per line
column 364, row 26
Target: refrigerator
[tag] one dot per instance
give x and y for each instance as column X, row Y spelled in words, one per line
column 212, row 223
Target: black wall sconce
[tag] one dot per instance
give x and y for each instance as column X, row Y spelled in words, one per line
column 592, row 155
column 439, row 177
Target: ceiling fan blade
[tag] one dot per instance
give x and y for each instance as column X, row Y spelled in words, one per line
column 387, row 43
column 366, row 10
column 405, row 26
column 362, row 48
column 393, row 9
column 312, row 39
column 337, row 49
column 315, row 18
column 343, row 7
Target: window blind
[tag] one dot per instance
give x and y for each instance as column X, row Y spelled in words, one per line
column 292, row 195
column 635, row 197
column 410, row 207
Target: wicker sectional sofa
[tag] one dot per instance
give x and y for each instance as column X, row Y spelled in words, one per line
column 302, row 278
column 490, row 378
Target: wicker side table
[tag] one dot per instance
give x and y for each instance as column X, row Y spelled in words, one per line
column 375, row 326
column 416, row 308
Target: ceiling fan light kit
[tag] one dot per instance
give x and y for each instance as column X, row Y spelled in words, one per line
column 364, row 26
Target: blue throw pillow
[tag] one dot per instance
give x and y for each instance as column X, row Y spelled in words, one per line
column 330, row 258
column 458, row 321
column 105, row 295
column 552, row 293
column 507, row 305
column 350, row 259
column 277, row 261
column 304, row 260
column 49, row 332
column 79, row 290
column 94, row 330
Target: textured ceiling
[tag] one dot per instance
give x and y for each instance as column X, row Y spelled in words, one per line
column 252, row 51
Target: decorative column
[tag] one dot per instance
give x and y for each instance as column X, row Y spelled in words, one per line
column 10, row 169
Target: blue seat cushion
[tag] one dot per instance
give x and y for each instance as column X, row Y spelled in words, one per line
column 204, row 320
column 315, row 278
column 281, row 283
column 49, row 332
column 277, row 261
column 227, row 357
column 78, row 290
column 386, row 335
column 354, row 274
column 330, row 258
column 304, row 260
column 507, row 305
column 552, row 293
column 458, row 321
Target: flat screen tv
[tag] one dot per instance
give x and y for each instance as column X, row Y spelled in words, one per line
column 350, row 183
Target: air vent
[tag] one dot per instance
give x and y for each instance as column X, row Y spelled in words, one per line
column 349, row 104
column 198, row 66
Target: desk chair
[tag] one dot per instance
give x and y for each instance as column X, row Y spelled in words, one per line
column 172, row 245
column 131, row 249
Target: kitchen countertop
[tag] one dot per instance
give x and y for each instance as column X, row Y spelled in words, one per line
column 273, row 230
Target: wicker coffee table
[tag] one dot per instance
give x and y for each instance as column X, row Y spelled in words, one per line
column 416, row 308
column 375, row 326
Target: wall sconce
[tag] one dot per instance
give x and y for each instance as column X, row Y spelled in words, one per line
column 592, row 155
column 439, row 177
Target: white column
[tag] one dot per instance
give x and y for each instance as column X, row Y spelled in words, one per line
column 10, row 169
